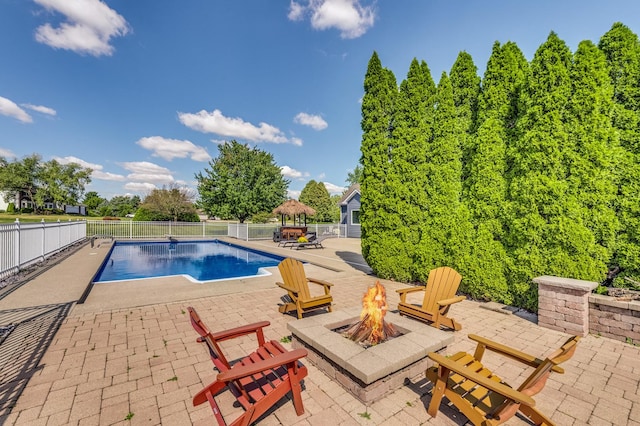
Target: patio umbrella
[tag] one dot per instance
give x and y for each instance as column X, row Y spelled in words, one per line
column 295, row 209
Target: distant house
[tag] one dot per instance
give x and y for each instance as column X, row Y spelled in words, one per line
column 21, row 202
column 350, row 211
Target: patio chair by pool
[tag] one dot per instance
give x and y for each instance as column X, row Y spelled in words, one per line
column 481, row 395
column 440, row 294
column 257, row 381
column 312, row 242
column 296, row 283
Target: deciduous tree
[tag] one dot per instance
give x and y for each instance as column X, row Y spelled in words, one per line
column 240, row 182
column 171, row 203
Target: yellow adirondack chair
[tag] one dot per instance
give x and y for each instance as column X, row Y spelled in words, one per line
column 481, row 395
column 296, row 283
column 440, row 294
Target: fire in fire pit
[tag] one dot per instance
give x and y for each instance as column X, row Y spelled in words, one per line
column 372, row 328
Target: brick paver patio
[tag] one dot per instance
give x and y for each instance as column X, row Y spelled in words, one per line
column 142, row 364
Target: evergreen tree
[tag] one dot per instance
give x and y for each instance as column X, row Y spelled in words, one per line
column 547, row 233
column 442, row 230
column 622, row 50
column 595, row 151
column 378, row 103
column 413, row 128
column 485, row 191
column 316, row 196
column 465, row 84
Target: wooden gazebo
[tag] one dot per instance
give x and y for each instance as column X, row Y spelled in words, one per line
column 297, row 211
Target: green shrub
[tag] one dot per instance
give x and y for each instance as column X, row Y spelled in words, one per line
column 11, row 208
column 262, row 217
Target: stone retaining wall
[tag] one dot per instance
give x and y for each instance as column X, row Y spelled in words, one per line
column 613, row 318
column 568, row 305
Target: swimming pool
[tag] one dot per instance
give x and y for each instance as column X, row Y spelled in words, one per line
column 198, row 261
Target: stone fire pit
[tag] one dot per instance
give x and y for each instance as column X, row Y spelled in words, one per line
column 368, row 373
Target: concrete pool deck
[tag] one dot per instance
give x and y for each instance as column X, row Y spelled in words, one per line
column 128, row 355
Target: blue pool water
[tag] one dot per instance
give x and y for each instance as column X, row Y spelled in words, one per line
column 197, row 260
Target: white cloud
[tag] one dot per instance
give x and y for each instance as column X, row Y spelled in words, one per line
column 173, row 148
column 296, row 11
column 314, row 121
column 98, row 174
column 90, row 25
column 296, row 141
column 215, row 122
column 97, row 168
column 41, row 109
column 151, row 177
column 145, row 167
column 11, row 109
column 293, row 193
column 140, row 187
column 148, row 173
column 71, row 159
column 7, row 153
column 287, row 171
column 349, row 16
column 334, row 189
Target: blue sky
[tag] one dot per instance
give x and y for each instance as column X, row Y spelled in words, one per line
column 143, row 91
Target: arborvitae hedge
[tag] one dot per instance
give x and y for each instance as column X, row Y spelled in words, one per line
column 534, row 172
column 622, row 50
column 378, row 103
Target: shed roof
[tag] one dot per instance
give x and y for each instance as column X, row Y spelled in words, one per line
column 349, row 193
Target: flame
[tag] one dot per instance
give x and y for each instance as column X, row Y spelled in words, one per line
column 374, row 308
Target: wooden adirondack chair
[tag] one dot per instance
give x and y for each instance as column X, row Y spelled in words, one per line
column 440, row 294
column 481, row 395
column 296, row 283
column 257, row 381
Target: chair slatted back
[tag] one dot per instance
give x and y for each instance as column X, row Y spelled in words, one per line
column 215, row 352
column 538, row 379
column 442, row 284
column 293, row 275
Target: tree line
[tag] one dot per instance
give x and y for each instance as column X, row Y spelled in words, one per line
column 242, row 183
column 533, row 169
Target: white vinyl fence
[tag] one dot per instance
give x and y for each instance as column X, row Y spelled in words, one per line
column 241, row 231
column 22, row 244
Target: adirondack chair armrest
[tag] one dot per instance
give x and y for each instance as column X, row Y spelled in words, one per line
column 509, row 352
column 404, row 291
column 451, row 301
column 284, row 287
column 409, row 290
column 239, row 331
column 321, row 282
column 240, row 371
column 498, row 387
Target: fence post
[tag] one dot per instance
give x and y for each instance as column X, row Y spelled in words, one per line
column 44, row 231
column 17, row 248
column 130, row 229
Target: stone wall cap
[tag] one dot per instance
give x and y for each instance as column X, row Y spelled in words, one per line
column 566, row 283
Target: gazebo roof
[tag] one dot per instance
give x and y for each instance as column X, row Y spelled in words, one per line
column 294, row 207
